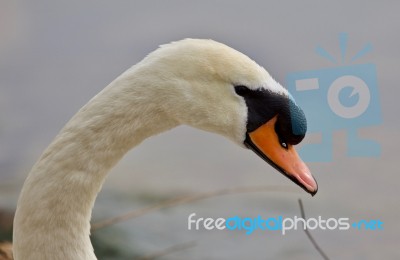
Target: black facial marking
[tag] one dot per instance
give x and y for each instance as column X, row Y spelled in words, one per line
column 291, row 125
column 263, row 105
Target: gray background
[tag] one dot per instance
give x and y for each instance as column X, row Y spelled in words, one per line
column 54, row 56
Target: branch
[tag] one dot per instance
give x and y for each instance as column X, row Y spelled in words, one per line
column 324, row 256
column 188, row 199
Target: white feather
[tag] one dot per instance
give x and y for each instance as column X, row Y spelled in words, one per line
column 185, row 82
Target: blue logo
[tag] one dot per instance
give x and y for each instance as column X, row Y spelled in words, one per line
column 373, row 224
column 337, row 98
column 249, row 225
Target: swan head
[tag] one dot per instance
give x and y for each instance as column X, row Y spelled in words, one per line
column 210, row 86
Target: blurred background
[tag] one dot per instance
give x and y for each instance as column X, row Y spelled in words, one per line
column 55, row 56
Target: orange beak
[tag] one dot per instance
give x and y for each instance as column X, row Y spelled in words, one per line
column 265, row 142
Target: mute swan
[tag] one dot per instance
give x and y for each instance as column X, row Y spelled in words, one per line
column 200, row 83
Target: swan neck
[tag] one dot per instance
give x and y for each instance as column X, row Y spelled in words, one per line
column 54, row 209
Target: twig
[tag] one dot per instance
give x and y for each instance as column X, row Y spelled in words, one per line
column 188, row 199
column 168, row 250
column 324, row 256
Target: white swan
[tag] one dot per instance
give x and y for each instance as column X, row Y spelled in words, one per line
column 200, row 83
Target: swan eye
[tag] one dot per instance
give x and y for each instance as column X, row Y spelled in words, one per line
column 284, row 145
column 242, row 90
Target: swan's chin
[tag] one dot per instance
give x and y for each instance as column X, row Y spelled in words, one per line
column 265, row 143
